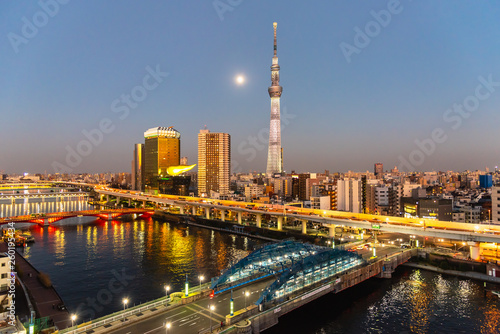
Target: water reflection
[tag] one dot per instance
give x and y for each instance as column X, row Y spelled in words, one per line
column 29, row 205
column 80, row 256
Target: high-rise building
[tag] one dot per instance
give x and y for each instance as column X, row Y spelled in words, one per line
column 137, row 167
column 378, row 169
column 485, row 181
column 214, row 162
column 349, row 195
column 162, row 149
column 495, row 204
column 303, row 186
column 274, row 154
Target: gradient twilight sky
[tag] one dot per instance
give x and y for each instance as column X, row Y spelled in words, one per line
column 341, row 115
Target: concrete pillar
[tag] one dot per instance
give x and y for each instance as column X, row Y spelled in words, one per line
column 207, row 213
column 239, row 217
column 304, row 227
column 223, row 215
column 144, row 204
column 181, row 208
column 46, row 222
column 101, row 197
column 259, row 220
column 331, row 231
column 118, row 199
column 107, row 198
column 110, row 217
column 280, row 223
column 474, row 250
column 129, row 202
column 193, row 209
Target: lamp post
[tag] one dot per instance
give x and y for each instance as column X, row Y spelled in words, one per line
column 212, row 307
column 73, row 318
column 125, row 302
column 167, row 289
column 246, row 295
column 186, row 286
column 231, row 303
column 167, row 327
column 201, row 279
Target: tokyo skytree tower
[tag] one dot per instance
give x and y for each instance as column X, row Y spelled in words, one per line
column 274, row 154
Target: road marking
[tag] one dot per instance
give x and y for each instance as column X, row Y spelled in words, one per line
column 175, row 315
column 187, row 322
column 153, row 330
column 207, row 316
column 206, row 309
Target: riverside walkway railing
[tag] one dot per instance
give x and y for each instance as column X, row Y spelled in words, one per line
column 167, row 303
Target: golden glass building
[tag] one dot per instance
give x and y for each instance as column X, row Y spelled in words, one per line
column 214, row 162
column 162, row 149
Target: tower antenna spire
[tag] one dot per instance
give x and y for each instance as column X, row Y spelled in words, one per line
column 275, row 24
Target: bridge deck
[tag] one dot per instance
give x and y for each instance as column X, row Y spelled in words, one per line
column 60, row 215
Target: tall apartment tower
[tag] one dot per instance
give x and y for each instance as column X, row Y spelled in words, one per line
column 214, row 162
column 137, row 167
column 378, row 169
column 162, row 149
column 495, row 205
column 274, row 154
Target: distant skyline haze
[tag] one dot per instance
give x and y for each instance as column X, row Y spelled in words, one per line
column 405, row 83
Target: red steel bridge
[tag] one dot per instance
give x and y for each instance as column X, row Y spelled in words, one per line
column 49, row 218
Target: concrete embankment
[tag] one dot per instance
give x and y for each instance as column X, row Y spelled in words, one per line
column 45, row 300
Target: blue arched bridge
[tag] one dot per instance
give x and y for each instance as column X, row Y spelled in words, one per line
column 295, row 266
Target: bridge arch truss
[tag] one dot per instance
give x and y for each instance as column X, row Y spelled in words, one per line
column 294, row 265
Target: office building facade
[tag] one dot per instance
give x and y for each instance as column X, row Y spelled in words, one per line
column 214, row 163
column 162, row 148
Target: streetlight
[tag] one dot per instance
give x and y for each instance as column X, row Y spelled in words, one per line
column 167, row 289
column 201, row 279
column 167, row 326
column 125, row 302
column 212, row 307
column 246, row 295
column 73, row 318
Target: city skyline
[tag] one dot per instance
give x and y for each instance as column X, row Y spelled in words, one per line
column 401, row 83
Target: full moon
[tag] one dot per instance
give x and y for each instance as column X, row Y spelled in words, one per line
column 240, row 79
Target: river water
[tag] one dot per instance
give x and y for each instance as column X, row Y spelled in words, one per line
column 94, row 264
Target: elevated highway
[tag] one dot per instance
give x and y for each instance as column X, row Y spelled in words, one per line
column 328, row 218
